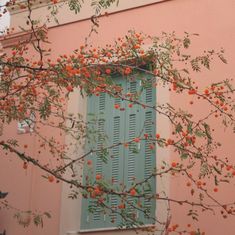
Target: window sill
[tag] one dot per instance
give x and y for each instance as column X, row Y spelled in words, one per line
column 109, row 229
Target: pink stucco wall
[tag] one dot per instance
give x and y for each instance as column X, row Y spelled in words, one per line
column 214, row 20
column 27, row 189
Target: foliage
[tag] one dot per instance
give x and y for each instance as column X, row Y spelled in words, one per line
column 43, row 87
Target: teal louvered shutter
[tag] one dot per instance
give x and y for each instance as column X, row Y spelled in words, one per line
column 94, row 105
column 149, row 97
column 117, row 157
column 124, row 165
column 93, row 217
column 131, row 156
column 139, row 158
column 110, row 132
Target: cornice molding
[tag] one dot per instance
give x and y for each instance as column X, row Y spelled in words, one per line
column 18, row 7
column 64, row 16
column 20, row 37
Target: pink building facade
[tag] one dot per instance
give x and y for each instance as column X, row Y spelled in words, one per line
column 213, row 20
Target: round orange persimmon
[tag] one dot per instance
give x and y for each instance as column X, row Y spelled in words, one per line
column 98, row 177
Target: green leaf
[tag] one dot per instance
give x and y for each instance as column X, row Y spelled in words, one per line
column 199, row 133
column 208, row 133
column 190, row 128
column 185, row 70
column 195, row 65
column 198, row 155
column 47, row 214
column 178, row 128
column 184, row 155
column 221, row 56
column 38, row 220
column 186, row 42
column 205, row 61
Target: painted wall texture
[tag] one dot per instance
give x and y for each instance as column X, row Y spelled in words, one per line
column 214, row 21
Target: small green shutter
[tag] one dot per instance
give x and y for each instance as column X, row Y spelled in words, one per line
column 139, row 158
column 109, row 124
column 125, row 165
column 90, row 218
column 149, row 155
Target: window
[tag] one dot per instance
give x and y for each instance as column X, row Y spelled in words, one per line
column 123, row 166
